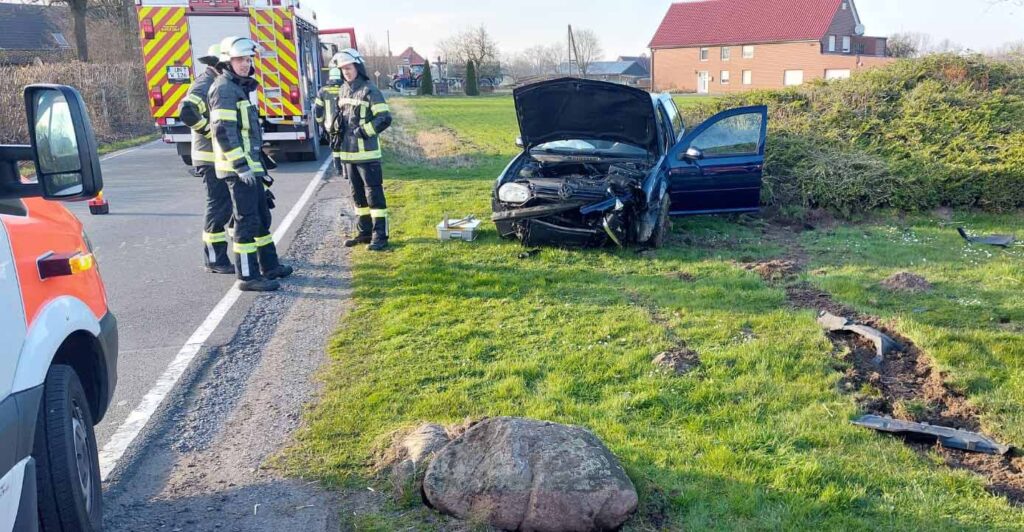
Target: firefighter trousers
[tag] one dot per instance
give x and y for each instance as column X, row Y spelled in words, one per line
column 367, row 180
column 218, row 214
column 254, row 244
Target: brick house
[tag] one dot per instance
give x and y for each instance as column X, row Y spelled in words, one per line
column 722, row 46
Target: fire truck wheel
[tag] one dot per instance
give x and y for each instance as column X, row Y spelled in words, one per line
column 70, row 496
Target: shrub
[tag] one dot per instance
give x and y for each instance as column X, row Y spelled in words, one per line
column 427, row 81
column 916, row 134
column 472, row 84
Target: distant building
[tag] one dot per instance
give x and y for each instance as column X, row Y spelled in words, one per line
column 721, row 46
column 624, row 72
column 32, row 31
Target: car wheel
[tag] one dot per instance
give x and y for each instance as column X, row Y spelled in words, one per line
column 664, row 226
column 68, row 473
column 187, row 159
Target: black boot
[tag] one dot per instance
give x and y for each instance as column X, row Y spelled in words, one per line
column 359, row 239
column 379, row 242
column 249, row 274
column 269, row 263
column 215, row 256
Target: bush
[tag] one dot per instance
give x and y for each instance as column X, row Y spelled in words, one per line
column 114, row 94
column 472, row 83
column 427, row 81
column 919, row 133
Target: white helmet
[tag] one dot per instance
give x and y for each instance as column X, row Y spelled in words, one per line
column 212, row 56
column 238, row 47
column 348, row 56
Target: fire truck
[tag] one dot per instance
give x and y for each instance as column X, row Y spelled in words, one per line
column 176, row 33
column 333, row 41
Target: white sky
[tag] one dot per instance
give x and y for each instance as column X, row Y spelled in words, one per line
column 626, row 27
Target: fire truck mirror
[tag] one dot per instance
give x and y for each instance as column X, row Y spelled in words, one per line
column 63, row 143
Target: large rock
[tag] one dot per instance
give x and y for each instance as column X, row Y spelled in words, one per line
column 521, row 474
column 414, row 451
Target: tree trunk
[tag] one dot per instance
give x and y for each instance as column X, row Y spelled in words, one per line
column 81, row 39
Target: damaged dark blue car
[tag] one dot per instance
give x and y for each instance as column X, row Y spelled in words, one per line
column 606, row 163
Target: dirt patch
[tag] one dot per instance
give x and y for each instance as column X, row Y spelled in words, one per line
column 908, row 386
column 685, row 277
column 679, row 361
column 438, row 147
column 774, row 270
column 907, row 282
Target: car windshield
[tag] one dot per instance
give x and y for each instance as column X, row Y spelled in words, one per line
column 591, row 147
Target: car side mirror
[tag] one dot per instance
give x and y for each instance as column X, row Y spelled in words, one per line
column 693, row 154
column 63, row 144
column 520, row 143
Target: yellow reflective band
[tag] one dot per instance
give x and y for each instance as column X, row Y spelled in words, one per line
column 214, row 238
column 361, row 156
column 369, row 129
column 235, row 154
column 245, row 249
column 200, row 124
column 351, row 101
column 381, row 108
column 318, row 102
column 362, row 211
column 224, row 114
column 264, row 240
column 203, row 156
column 194, row 98
column 379, row 213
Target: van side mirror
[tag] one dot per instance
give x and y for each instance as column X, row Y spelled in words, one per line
column 63, row 144
column 519, row 142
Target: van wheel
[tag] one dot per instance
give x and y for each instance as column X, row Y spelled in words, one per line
column 70, row 496
column 664, row 226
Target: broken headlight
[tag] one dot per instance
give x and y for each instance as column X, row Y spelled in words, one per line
column 514, row 193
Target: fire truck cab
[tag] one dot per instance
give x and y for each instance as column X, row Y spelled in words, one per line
column 58, row 339
column 176, row 33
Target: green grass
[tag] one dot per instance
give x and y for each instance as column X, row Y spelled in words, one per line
column 757, row 438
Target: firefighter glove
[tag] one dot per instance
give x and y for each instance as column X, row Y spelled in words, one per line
column 248, row 178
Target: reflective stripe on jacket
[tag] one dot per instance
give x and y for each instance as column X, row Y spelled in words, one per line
column 195, row 113
column 235, row 122
column 363, row 115
column 325, row 106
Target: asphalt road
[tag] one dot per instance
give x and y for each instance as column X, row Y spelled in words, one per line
column 149, row 253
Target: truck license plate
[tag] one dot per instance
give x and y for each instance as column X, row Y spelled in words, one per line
column 177, row 74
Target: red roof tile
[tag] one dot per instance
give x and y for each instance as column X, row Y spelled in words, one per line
column 710, row 22
column 410, row 55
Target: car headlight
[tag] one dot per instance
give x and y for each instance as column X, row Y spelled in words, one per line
column 514, row 193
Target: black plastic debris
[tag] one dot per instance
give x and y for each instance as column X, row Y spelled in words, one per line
column 883, row 344
column 529, row 254
column 1003, row 241
column 947, row 437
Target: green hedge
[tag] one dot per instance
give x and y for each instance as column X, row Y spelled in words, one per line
column 944, row 130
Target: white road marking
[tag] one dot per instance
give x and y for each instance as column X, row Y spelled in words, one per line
column 132, row 426
column 125, row 151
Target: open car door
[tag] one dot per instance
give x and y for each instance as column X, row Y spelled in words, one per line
column 717, row 166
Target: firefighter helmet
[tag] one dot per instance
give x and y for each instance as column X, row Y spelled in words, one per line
column 334, row 75
column 238, row 47
column 348, row 56
column 212, row 56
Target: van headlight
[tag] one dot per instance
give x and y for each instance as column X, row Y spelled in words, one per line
column 514, row 193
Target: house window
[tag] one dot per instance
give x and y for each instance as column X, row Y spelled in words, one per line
column 748, row 77
column 61, row 41
column 704, row 53
column 846, row 44
column 793, row 77
column 726, row 53
column 837, row 73
column 748, row 52
column 725, row 77
column 831, row 43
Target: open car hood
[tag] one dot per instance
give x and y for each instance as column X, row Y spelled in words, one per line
column 572, row 108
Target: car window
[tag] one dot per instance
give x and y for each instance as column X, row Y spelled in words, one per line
column 674, row 117
column 666, row 130
column 732, row 136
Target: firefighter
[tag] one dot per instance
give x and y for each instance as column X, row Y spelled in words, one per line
column 195, row 114
column 362, row 116
column 237, row 148
column 326, row 106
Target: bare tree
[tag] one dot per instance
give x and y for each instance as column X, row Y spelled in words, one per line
column 588, row 49
column 377, row 57
column 473, row 44
column 904, row 45
column 79, row 10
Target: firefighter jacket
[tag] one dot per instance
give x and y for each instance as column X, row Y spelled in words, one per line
column 325, row 106
column 195, row 113
column 235, row 122
column 362, row 116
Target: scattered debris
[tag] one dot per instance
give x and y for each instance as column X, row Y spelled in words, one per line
column 946, row 436
column 679, row 361
column 529, row 254
column 685, row 277
column 907, row 282
column 774, row 270
column 883, row 344
column 1003, row 241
